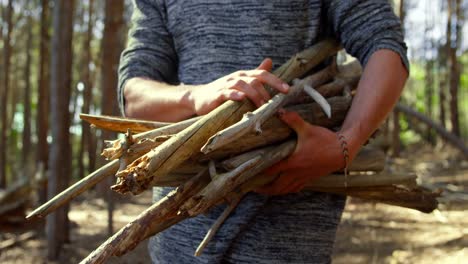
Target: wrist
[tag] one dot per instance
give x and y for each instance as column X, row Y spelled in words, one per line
column 188, row 98
column 353, row 142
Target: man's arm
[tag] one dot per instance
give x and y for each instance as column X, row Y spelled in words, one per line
column 379, row 89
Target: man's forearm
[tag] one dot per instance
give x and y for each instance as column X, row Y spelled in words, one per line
column 153, row 100
column 380, row 87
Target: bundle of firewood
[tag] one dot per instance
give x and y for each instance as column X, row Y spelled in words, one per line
column 219, row 157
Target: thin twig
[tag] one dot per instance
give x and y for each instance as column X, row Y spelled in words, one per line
column 214, row 229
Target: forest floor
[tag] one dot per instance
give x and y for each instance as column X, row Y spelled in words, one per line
column 369, row 233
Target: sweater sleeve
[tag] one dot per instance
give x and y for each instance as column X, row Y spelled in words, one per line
column 150, row 50
column 365, row 26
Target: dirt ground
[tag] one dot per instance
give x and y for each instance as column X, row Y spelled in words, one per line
column 369, row 233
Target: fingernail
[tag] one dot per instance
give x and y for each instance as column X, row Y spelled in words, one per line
column 286, row 87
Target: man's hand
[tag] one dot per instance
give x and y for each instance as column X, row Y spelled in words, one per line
column 237, row 86
column 318, row 152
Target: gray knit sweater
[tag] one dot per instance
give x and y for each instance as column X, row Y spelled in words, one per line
column 198, row 41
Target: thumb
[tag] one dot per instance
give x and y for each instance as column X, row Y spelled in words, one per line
column 267, row 65
column 294, row 121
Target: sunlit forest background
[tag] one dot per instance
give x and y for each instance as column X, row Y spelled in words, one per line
column 44, row 86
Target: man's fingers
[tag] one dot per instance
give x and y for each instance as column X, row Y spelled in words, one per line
column 294, row 121
column 263, row 73
column 271, row 80
column 267, row 65
column 258, row 86
column 250, row 92
column 234, row 95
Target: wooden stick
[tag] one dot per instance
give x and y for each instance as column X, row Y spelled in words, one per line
column 213, row 192
column 362, row 180
column 75, row 190
column 367, row 159
column 119, row 124
column 416, row 198
column 219, row 222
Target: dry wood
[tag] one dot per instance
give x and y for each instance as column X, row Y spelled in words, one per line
column 274, row 131
column 367, row 159
column 119, row 124
column 107, row 170
column 362, row 180
column 217, row 189
column 416, row 198
column 145, row 141
column 142, row 173
column 156, row 218
column 76, row 189
column 220, row 184
column 219, row 222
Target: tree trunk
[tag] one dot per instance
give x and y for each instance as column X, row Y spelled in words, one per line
column 27, row 99
column 112, row 46
column 60, row 151
column 454, row 63
column 396, row 142
column 86, row 137
column 6, row 87
column 42, row 122
column 429, row 83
